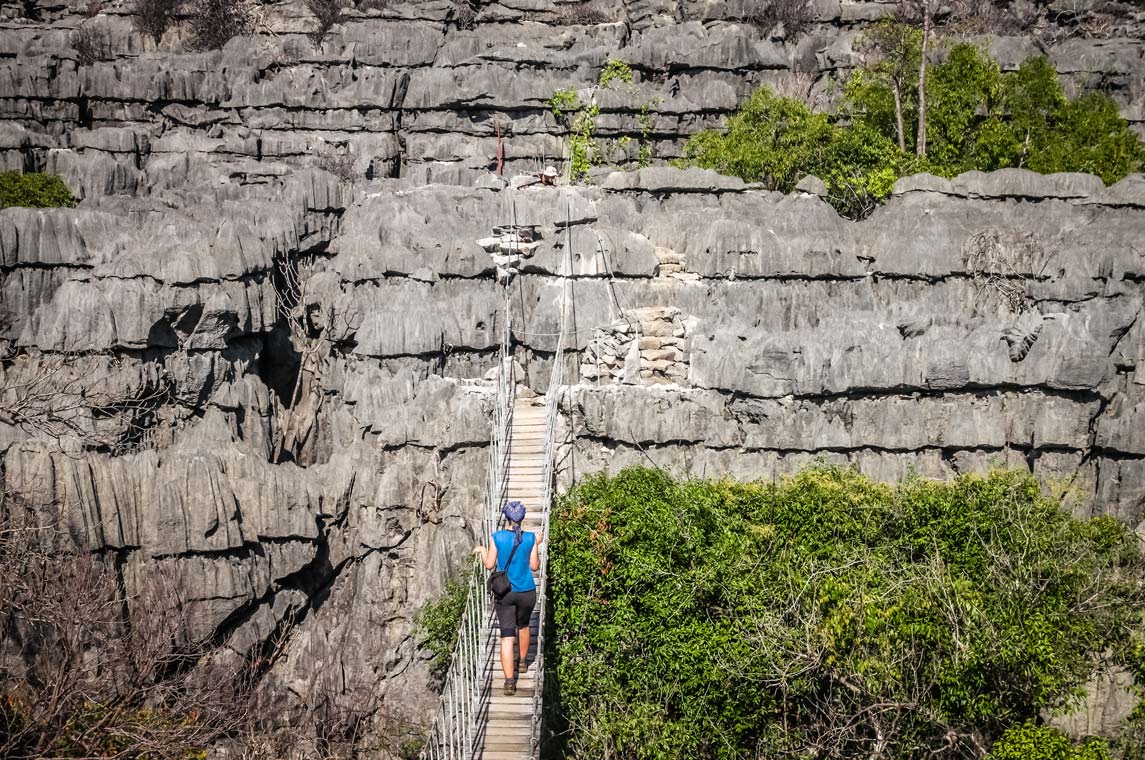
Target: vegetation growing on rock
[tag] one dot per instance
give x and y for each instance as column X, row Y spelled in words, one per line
column 155, row 17
column 34, row 190
column 326, row 13
column 215, row 22
column 437, row 623
column 585, row 150
column 828, row 616
column 976, row 118
column 615, row 71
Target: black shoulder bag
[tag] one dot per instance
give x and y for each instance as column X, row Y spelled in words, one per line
column 499, row 580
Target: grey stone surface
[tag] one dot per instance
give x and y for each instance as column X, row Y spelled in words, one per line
column 327, row 479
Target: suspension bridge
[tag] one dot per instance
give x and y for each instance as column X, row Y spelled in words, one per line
column 475, row 721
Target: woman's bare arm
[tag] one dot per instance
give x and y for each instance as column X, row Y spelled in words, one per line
column 488, row 554
column 535, row 556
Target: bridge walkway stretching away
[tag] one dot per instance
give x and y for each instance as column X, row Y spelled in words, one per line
column 475, row 720
column 507, row 733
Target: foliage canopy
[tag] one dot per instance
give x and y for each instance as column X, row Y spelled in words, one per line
column 34, row 190
column 437, row 623
column 826, row 615
column 978, row 118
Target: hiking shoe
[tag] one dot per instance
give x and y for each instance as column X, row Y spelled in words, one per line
column 510, row 687
column 522, row 667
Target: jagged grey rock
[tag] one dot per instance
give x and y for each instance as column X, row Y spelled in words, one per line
column 311, row 453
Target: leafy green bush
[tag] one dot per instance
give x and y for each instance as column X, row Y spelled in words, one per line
column 977, row 118
column 1047, row 132
column 34, row 190
column 824, row 615
column 615, row 71
column 778, row 141
column 1032, row 742
column 770, row 139
column 437, row 623
column 563, row 102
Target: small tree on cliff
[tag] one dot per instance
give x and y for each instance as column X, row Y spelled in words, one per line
column 922, row 12
column 215, row 22
column 327, row 13
column 155, row 17
column 894, row 50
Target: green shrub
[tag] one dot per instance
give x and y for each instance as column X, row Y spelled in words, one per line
column 773, row 140
column 34, row 190
column 824, row 615
column 1032, row 742
column 584, row 151
column 437, row 623
column 977, row 118
column 563, row 102
column 959, row 93
column 778, row 141
column 615, row 71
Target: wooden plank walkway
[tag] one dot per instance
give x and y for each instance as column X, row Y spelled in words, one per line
column 506, row 730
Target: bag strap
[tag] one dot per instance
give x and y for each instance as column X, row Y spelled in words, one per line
column 513, row 552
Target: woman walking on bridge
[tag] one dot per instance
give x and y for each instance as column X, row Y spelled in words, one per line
column 515, row 552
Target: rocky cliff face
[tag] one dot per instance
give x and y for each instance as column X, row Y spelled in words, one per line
column 262, row 337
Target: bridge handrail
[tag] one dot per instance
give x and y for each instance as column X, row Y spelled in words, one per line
column 552, row 412
column 457, row 721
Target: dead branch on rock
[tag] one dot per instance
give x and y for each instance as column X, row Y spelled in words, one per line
column 340, row 165
column 580, row 14
column 316, row 330
column 464, row 13
column 215, row 22
column 92, row 44
column 94, row 663
column 155, row 17
column 64, row 398
column 991, row 17
column 796, row 16
column 1002, row 267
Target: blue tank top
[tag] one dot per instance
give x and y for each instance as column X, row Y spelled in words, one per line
column 520, row 576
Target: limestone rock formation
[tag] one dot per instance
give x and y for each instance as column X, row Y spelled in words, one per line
column 258, row 346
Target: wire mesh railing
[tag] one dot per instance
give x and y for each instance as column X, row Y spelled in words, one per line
column 552, row 415
column 461, row 712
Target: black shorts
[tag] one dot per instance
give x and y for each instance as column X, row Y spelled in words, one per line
column 514, row 610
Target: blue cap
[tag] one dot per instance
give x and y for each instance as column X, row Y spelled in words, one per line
column 514, row 511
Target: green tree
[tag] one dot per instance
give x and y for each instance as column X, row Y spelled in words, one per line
column 1032, row 742
column 826, row 615
column 884, row 86
column 1031, row 99
column 773, row 140
column 861, row 169
column 778, row 141
column 1037, row 127
column 962, row 92
column 34, row 190
column 977, row 118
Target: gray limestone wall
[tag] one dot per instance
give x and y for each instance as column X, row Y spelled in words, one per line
column 266, row 330
column 403, row 88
